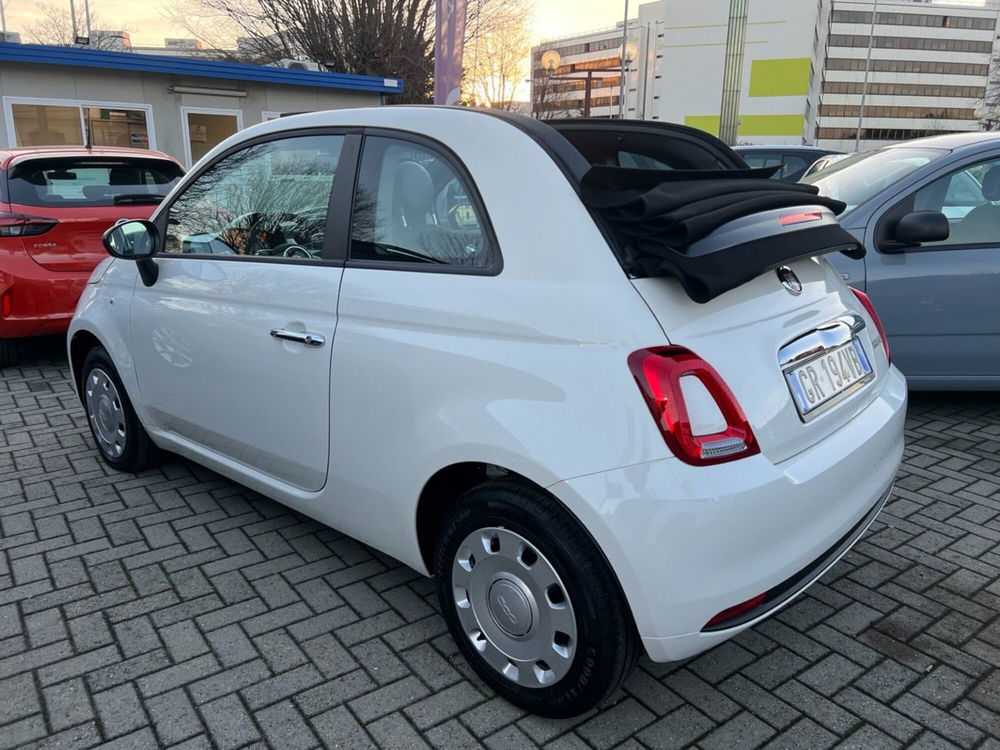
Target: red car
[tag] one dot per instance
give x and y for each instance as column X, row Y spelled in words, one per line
column 55, row 203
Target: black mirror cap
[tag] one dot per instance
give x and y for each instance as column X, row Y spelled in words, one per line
column 922, row 226
column 131, row 239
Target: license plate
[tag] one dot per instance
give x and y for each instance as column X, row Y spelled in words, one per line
column 825, row 378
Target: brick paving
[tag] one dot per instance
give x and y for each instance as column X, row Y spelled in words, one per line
column 176, row 608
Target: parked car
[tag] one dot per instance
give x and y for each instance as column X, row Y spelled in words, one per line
column 55, row 203
column 793, row 161
column 822, row 163
column 928, row 212
column 433, row 346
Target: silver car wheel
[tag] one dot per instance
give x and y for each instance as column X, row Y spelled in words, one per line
column 105, row 412
column 513, row 607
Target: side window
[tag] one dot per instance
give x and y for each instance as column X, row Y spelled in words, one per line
column 756, row 160
column 411, row 205
column 969, row 198
column 792, row 165
column 267, row 200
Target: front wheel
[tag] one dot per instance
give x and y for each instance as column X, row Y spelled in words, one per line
column 531, row 601
column 120, row 437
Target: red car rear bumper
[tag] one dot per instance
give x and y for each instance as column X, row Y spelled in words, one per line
column 35, row 301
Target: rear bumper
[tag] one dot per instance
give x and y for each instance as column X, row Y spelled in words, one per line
column 41, row 301
column 689, row 542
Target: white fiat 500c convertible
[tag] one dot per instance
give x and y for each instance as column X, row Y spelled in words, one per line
column 506, row 353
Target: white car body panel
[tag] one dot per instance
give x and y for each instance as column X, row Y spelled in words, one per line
column 526, row 370
column 204, row 358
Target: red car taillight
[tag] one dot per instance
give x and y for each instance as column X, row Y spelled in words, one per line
column 659, row 372
column 22, row 225
column 867, row 303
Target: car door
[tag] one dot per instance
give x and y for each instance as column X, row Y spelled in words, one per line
column 938, row 300
column 232, row 343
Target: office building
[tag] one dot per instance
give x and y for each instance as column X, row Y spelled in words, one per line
column 818, row 72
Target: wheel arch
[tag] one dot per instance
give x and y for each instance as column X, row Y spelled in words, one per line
column 449, row 483
column 82, row 342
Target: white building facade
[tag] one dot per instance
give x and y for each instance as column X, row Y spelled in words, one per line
column 807, row 71
column 562, row 91
column 927, row 72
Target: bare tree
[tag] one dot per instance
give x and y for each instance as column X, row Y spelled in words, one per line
column 496, row 50
column 55, row 27
column 988, row 107
column 385, row 38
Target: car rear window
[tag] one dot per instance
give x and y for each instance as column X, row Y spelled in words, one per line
column 91, row 181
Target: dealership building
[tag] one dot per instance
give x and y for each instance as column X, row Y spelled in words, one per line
column 809, row 71
column 182, row 106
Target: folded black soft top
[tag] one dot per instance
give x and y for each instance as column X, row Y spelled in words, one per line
column 656, row 216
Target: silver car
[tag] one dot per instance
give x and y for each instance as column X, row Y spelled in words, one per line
column 929, row 212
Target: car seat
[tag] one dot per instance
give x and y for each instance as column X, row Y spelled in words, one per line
column 982, row 224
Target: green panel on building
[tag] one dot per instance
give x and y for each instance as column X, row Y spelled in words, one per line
column 752, row 124
column 782, row 77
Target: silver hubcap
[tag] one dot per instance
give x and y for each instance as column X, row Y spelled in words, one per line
column 513, row 607
column 105, row 412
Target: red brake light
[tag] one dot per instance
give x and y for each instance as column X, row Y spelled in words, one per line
column 5, row 301
column 867, row 303
column 22, row 225
column 799, row 218
column 658, row 372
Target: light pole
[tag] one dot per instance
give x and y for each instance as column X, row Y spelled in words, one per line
column 621, row 78
column 864, row 82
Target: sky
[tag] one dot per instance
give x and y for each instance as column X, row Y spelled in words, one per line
column 148, row 26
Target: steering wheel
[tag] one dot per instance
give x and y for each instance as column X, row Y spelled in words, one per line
column 295, row 251
column 255, row 222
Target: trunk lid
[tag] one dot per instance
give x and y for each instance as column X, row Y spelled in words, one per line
column 752, row 334
column 74, row 243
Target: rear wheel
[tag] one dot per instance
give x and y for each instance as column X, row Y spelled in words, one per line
column 122, row 441
column 531, row 601
column 10, row 352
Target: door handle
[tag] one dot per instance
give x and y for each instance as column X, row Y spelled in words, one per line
column 303, row 337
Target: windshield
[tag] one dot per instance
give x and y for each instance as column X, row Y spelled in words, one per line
column 857, row 178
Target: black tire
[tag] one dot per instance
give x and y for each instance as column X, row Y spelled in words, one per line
column 10, row 352
column 138, row 451
column 606, row 642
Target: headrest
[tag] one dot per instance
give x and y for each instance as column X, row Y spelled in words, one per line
column 991, row 184
column 414, row 191
column 123, row 176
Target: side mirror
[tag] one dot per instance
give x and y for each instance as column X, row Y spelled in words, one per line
column 134, row 239
column 918, row 227
column 131, row 239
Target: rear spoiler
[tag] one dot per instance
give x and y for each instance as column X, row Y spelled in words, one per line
column 712, row 230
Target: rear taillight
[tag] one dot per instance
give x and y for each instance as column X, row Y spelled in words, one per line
column 5, row 299
column 22, row 225
column 711, row 428
column 867, row 303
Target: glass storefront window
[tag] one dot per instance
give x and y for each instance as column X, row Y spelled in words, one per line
column 72, row 124
column 116, row 127
column 44, row 125
column 205, row 129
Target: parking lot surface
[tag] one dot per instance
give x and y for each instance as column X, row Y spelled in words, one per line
column 176, row 608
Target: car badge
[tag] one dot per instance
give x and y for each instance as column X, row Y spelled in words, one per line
column 789, row 280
